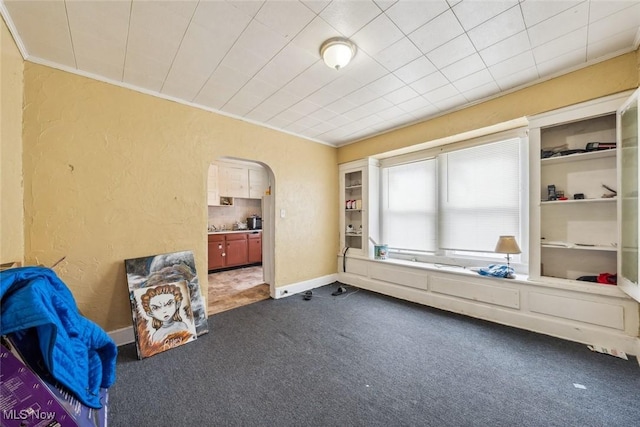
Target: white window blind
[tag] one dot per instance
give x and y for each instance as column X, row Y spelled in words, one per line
column 479, row 196
column 409, row 206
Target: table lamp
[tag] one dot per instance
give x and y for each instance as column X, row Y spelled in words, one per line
column 507, row 245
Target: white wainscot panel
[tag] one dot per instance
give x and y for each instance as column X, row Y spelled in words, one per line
column 475, row 291
column 596, row 313
column 356, row 266
column 399, row 276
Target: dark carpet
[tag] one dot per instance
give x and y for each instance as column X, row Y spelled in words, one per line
column 364, row 359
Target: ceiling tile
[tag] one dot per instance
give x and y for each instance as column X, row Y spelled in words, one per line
column 429, row 83
column 341, row 106
column 401, row 95
column 311, row 79
column 391, row 113
column 246, row 61
column 463, row 67
column 506, row 48
column 286, row 65
column 445, row 92
column 316, row 5
column 518, row 78
column 498, row 28
column 224, row 22
column 410, row 15
column 452, row 51
column 313, row 35
column 305, row 107
column 398, row 54
column 445, row 25
column 385, row 4
column 473, row 13
column 512, row 65
column 248, row 7
column 45, row 30
column 364, row 69
column 481, row 92
column 362, row 95
column 566, row 61
column 601, row 9
column 144, row 72
column 414, row 104
column 286, row 18
column 260, row 40
column 535, row 12
column 221, row 86
column 564, row 44
column 415, row 70
column 454, row 101
column 377, row 35
column 559, row 25
column 349, row 17
column 472, row 81
column 623, row 20
column 385, row 84
column 617, row 43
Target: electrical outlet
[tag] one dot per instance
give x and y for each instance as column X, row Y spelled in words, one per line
column 284, row 292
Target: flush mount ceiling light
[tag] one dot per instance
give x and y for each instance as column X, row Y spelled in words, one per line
column 337, row 52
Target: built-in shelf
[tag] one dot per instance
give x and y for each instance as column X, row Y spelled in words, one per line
column 560, row 202
column 353, row 187
column 581, row 247
column 600, row 154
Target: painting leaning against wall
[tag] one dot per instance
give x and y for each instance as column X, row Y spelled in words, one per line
column 166, row 303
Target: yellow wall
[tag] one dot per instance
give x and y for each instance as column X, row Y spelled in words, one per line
column 11, row 200
column 112, row 174
column 615, row 75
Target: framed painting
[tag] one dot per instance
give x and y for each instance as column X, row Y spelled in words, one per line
column 167, row 306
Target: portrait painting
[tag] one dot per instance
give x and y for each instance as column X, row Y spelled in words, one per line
column 167, row 306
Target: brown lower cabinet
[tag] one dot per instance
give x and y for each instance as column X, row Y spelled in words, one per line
column 234, row 249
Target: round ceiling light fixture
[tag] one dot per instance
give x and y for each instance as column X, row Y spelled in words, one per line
column 337, row 52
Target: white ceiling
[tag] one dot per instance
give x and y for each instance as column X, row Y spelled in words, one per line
column 259, row 60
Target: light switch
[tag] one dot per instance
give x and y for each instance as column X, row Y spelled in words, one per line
column 282, row 213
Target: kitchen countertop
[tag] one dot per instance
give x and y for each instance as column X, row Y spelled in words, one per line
column 234, row 231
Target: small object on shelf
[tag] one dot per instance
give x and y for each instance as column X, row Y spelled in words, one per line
column 350, row 229
column 613, row 193
column 551, row 193
column 598, row 146
column 578, row 196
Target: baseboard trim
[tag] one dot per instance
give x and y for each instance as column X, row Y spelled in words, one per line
column 295, row 288
column 124, row 336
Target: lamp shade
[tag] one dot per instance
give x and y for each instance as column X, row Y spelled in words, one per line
column 507, row 245
column 337, row 52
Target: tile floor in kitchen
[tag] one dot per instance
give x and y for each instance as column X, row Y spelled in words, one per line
column 235, row 288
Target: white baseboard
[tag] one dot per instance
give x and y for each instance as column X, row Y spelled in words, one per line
column 295, row 288
column 125, row 335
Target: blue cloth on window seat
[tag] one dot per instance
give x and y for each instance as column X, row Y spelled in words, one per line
column 75, row 350
column 495, row 270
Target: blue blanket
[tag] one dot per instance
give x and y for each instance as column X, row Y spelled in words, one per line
column 76, row 351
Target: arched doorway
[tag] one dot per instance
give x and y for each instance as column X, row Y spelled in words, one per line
column 230, row 206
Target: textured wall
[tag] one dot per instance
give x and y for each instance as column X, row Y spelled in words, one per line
column 11, row 200
column 112, row 174
column 605, row 78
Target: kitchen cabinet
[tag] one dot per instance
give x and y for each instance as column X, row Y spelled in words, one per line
column 233, row 181
column 216, row 254
column 234, row 249
column 237, row 249
column 255, row 248
column 213, row 193
column 258, row 183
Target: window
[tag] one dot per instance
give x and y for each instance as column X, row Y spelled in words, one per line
column 455, row 203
